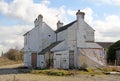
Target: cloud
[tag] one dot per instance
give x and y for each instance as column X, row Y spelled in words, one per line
column 30, row 10
column 111, row 2
column 88, row 14
column 107, row 29
column 27, row 11
column 12, row 37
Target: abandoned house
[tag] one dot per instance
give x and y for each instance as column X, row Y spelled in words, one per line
column 70, row 46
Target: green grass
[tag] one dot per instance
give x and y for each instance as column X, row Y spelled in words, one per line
column 56, row 72
column 92, row 71
column 51, row 72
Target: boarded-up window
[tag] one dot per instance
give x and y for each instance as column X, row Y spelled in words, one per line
column 57, row 63
column 71, row 59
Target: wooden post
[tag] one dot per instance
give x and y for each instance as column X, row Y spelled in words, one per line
column 14, row 78
column 115, row 62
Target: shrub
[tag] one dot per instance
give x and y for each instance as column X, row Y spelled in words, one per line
column 14, row 54
column 111, row 54
column 111, row 68
column 51, row 72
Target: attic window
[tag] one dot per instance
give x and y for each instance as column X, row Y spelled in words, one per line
column 49, row 35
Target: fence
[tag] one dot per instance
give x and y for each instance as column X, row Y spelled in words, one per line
column 114, row 62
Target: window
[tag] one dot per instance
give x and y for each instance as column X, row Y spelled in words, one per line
column 49, row 35
column 25, row 41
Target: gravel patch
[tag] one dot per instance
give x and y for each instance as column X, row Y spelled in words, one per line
column 9, row 73
column 33, row 77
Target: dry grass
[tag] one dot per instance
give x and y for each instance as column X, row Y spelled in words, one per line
column 111, row 68
column 56, row 72
column 89, row 71
column 76, row 75
column 32, row 77
column 4, row 61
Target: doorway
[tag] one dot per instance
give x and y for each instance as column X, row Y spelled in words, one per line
column 71, row 59
column 34, row 60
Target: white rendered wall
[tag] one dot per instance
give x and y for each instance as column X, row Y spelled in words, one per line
column 41, row 61
column 72, row 41
column 91, row 57
column 89, row 33
column 84, row 33
column 60, row 47
column 27, row 59
column 62, row 35
column 39, row 38
column 71, row 37
column 61, row 59
column 48, row 36
column 80, row 33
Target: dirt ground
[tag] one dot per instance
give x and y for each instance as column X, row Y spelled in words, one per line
column 31, row 77
column 8, row 73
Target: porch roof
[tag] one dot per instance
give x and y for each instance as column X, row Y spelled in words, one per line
column 49, row 47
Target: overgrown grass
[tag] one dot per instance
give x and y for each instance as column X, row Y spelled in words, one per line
column 51, row 72
column 111, row 68
column 56, row 72
column 91, row 71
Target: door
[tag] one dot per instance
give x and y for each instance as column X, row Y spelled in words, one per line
column 71, row 59
column 57, row 61
column 64, row 62
column 34, row 60
column 42, row 61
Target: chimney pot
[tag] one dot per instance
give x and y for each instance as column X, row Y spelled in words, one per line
column 59, row 24
column 80, row 14
column 40, row 18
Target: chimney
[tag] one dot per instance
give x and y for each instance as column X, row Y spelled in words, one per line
column 59, row 24
column 38, row 20
column 80, row 15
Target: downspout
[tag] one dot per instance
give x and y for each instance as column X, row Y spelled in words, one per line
column 56, row 36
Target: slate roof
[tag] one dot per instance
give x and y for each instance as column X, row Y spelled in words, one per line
column 26, row 33
column 65, row 27
column 105, row 44
column 49, row 47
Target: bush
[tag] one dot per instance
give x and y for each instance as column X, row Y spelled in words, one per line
column 51, row 72
column 111, row 68
column 111, row 54
column 14, row 54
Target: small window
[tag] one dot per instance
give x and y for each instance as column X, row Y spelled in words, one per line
column 25, row 42
column 58, row 54
column 49, row 35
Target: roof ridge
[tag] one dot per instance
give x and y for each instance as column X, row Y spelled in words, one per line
column 65, row 26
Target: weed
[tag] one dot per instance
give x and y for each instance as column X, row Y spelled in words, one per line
column 54, row 72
